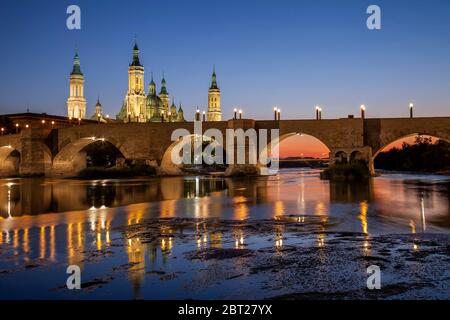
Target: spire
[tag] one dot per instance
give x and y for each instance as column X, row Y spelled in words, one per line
column 98, row 102
column 76, row 64
column 136, row 62
column 180, row 110
column 214, row 79
column 163, row 86
column 152, row 82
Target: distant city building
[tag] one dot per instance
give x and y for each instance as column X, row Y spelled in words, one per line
column 214, row 111
column 76, row 103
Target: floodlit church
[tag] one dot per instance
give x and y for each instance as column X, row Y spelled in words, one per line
column 137, row 105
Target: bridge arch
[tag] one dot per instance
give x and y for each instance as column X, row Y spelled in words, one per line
column 70, row 159
column 10, row 157
column 274, row 147
column 386, row 142
column 168, row 167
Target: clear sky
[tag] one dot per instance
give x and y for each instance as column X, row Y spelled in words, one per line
column 293, row 54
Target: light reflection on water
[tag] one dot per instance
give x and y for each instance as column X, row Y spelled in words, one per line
column 61, row 220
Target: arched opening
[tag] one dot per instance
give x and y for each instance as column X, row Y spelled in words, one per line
column 87, row 153
column 415, row 153
column 341, row 157
column 356, row 156
column 103, row 154
column 297, row 150
column 209, row 158
column 9, row 161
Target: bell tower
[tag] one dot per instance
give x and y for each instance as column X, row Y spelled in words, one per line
column 214, row 112
column 135, row 99
column 76, row 103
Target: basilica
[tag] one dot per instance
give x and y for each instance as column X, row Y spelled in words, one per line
column 138, row 106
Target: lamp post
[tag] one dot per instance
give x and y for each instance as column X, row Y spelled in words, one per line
column 317, row 112
column 279, row 114
column 363, row 111
column 320, row 113
column 70, row 121
column 169, row 116
column 98, row 118
column 204, row 116
column 240, row 114
column 275, row 113
column 235, row 113
column 27, row 126
column 53, row 123
column 79, row 121
column 43, row 122
column 129, row 117
column 162, row 116
column 17, row 128
column 3, row 131
column 197, row 115
column 411, row 110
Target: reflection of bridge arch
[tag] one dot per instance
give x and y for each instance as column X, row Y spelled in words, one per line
column 69, row 159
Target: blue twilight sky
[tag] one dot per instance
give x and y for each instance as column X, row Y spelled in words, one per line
column 293, row 54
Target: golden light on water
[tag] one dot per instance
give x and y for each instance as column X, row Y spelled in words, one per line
column 412, row 224
column 364, row 207
column 26, row 241
column 52, row 243
column 42, row 243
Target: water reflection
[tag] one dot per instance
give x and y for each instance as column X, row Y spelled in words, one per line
column 62, row 221
column 20, row 197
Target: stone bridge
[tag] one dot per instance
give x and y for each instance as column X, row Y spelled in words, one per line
column 59, row 152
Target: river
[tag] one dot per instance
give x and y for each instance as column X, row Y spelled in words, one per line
column 48, row 224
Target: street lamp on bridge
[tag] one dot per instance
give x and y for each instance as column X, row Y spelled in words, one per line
column 363, row 111
column 240, row 114
column 235, row 113
column 411, row 110
column 317, row 112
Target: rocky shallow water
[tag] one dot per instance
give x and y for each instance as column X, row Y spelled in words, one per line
column 291, row 257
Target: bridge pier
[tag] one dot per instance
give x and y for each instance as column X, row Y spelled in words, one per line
column 349, row 155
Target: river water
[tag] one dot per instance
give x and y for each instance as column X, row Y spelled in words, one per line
column 47, row 224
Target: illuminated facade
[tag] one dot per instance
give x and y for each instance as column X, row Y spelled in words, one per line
column 214, row 111
column 76, row 103
column 139, row 107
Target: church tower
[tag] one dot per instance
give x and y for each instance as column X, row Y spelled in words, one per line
column 135, row 99
column 164, row 96
column 98, row 108
column 76, row 103
column 214, row 112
